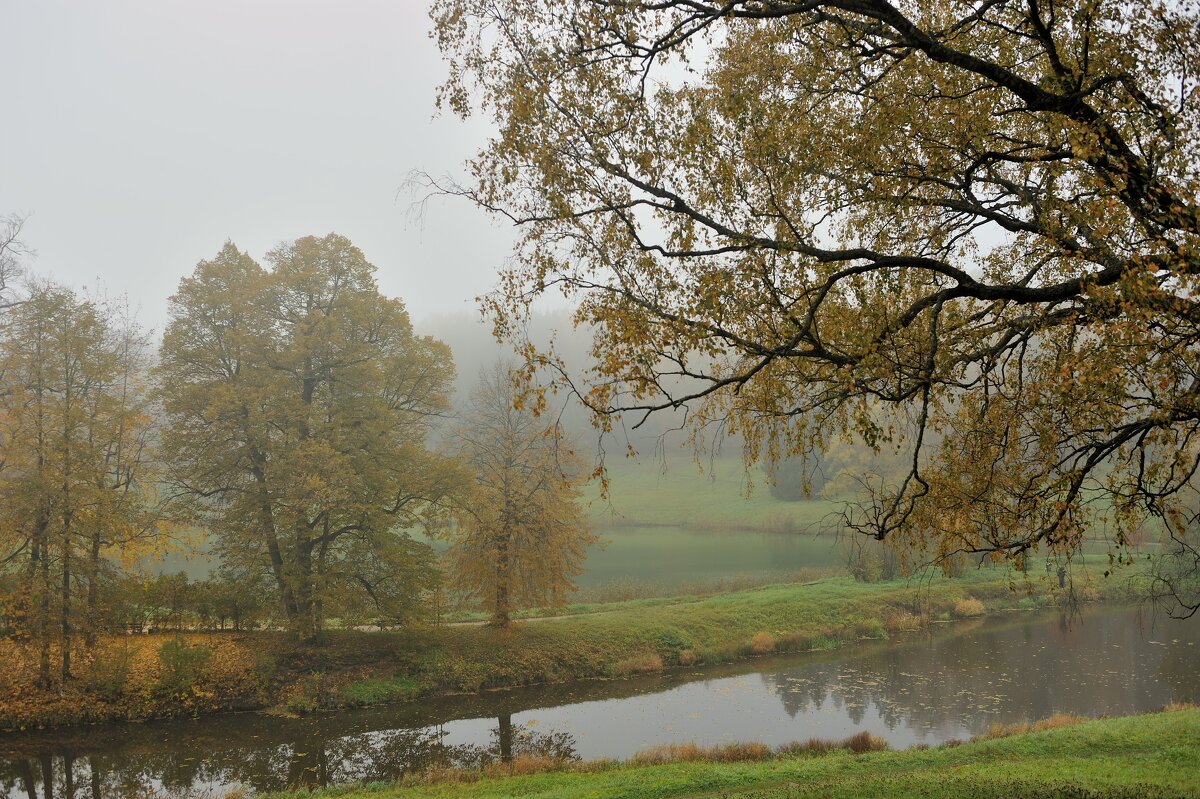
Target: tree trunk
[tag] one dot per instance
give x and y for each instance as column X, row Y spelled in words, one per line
column 504, row 733
column 97, row 779
column 279, row 569
column 27, row 778
column 92, row 619
column 502, row 611
column 67, row 512
column 266, row 520
column 319, row 594
column 43, row 620
column 305, row 621
column 47, row 775
column 66, row 599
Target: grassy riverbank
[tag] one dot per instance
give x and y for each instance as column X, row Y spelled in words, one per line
column 143, row 677
column 1155, row 756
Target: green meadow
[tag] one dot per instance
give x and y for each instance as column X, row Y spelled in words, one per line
column 716, row 494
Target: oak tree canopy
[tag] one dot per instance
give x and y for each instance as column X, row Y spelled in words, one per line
column 965, row 229
column 298, row 401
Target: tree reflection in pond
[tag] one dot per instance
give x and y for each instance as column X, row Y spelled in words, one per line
column 1005, row 670
column 313, row 759
column 515, row 742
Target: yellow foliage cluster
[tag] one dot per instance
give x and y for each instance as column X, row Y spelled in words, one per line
column 521, row 533
column 251, row 349
column 77, row 477
column 123, row 678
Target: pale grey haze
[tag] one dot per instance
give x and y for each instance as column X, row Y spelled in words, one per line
column 139, row 135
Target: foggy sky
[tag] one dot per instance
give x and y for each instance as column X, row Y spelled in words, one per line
column 139, row 135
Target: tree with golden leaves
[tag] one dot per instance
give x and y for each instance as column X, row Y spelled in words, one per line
column 77, row 498
column 520, row 532
column 803, row 219
column 298, row 403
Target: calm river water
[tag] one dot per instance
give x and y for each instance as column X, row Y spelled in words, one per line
column 952, row 683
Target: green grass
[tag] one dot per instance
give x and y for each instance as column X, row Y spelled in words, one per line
column 640, row 562
column 721, row 495
column 1154, row 756
column 674, row 556
column 376, row 690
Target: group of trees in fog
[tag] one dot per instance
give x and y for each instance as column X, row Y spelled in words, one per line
column 287, row 419
column 76, row 481
column 78, row 433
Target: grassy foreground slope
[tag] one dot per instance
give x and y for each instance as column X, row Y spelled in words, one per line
column 1153, row 756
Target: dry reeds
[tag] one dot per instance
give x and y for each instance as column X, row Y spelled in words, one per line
column 1023, row 727
column 658, row 755
column 744, row 752
column 968, row 608
column 794, row 642
column 638, row 664
column 901, row 621
column 762, row 643
column 692, row 753
column 858, row 743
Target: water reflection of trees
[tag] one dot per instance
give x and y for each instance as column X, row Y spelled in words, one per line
column 954, row 683
column 950, row 684
column 311, row 758
column 511, row 742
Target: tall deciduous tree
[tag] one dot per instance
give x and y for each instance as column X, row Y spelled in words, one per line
column 75, row 482
column 299, row 400
column 521, row 532
column 875, row 218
